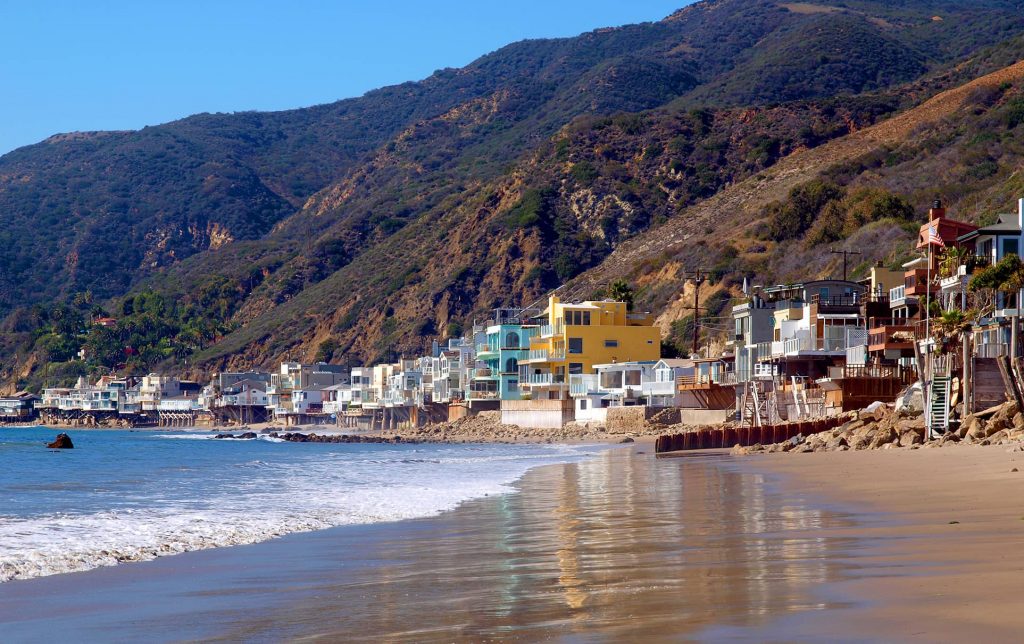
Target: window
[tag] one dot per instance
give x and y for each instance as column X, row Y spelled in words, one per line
column 513, row 385
column 583, row 404
column 575, row 368
column 511, row 365
column 823, row 292
column 611, row 344
column 577, row 318
column 512, row 340
column 576, row 345
column 1010, row 247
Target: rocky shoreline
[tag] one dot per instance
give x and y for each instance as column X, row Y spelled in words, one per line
column 885, row 427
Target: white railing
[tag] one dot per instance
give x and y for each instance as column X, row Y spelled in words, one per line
column 542, row 379
column 856, row 354
column 658, row 388
column 537, row 354
column 991, row 350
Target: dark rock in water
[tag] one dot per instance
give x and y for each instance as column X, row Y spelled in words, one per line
column 247, row 435
column 627, row 440
column 63, row 441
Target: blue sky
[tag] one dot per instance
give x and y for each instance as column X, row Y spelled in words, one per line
column 108, row 65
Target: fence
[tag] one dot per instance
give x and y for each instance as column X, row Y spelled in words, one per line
column 727, row 437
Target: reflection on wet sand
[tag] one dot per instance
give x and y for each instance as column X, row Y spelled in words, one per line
column 622, row 546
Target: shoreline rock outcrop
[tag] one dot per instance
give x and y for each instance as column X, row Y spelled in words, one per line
column 63, row 441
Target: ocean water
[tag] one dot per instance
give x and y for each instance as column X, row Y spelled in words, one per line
column 124, row 496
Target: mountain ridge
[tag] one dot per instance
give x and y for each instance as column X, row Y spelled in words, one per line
column 486, row 185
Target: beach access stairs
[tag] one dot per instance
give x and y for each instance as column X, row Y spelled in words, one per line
column 938, row 406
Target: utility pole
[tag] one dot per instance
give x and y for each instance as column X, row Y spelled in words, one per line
column 845, row 253
column 698, row 279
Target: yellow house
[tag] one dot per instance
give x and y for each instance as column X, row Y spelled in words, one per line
column 575, row 337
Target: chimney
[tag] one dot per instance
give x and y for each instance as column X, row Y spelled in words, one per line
column 937, row 211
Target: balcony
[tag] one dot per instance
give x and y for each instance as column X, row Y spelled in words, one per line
column 582, row 384
column 899, row 297
column 544, row 355
column 483, row 373
column 484, row 394
column 486, row 350
column 542, row 379
column 551, row 330
column 837, row 303
column 892, row 335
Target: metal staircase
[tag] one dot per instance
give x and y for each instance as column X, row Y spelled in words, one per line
column 938, row 407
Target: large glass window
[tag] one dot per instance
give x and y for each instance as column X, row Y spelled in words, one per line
column 577, row 318
column 1011, row 246
column 611, row 344
column 575, row 345
column 512, row 340
column 575, row 368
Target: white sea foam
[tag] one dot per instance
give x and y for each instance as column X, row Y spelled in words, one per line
column 276, row 499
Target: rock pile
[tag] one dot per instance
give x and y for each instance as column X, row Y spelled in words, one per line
column 487, row 427
column 297, row 437
column 886, row 428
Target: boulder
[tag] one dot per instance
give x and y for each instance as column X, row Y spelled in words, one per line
column 63, row 441
column 836, row 443
column 910, row 437
column 860, row 442
column 1018, row 421
column 883, row 436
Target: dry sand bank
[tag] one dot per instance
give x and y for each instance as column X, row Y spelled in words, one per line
column 951, row 562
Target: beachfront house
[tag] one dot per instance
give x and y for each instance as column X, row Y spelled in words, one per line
column 505, row 343
column 572, row 338
column 18, row 408
column 990, row 244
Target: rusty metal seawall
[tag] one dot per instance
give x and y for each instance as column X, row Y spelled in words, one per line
column 746, row 436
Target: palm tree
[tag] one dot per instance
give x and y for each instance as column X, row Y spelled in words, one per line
column 621, row 291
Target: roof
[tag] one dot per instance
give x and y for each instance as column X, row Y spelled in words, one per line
column 676, row 362
column 1006, row 224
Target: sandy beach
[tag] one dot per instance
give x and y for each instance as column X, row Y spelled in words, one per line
column 946, row 527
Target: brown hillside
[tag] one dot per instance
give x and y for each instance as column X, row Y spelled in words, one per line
column 737, row 207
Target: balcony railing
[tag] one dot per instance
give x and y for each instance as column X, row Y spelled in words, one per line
column 548, row 330
column 891, row 334
column 991, row 350
column 582, row 384
column 541, row 379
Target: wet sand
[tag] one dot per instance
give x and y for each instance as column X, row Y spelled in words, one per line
column 948, row 562
column 620, row 548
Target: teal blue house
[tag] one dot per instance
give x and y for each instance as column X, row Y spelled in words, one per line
column 504, row 345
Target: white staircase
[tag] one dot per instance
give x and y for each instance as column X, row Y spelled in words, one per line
column 938, row 407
